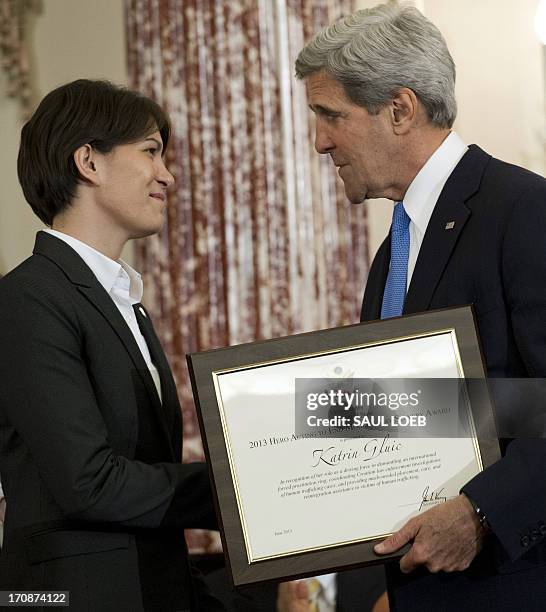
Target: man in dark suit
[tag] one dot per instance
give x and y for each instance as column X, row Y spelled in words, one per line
column 467, row 228
column 90, row 424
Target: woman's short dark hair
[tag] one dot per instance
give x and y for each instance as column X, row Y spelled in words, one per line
column 97, row 113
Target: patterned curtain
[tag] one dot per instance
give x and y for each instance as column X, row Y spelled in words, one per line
column 15, row 16
column 259, row 241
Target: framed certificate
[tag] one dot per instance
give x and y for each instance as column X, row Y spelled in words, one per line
column 295, row 498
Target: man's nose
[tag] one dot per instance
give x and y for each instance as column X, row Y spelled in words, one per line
column 323, row 142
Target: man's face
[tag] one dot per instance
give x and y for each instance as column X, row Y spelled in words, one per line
column 360, row 144
column 133, row 188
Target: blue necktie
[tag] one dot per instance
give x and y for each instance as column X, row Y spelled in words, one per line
column 395, row 287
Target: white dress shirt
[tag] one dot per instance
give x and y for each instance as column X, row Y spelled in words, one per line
column 123, row 284
column 425, row 189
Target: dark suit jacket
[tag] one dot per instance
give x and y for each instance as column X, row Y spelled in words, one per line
column 495, row 258
column 97, row 499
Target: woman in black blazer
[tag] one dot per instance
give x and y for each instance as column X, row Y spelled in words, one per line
column 90, row 424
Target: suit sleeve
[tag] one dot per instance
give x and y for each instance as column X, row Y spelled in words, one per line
column 512, row 492
column 49, row 402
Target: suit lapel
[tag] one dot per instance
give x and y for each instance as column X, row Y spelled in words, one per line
column 171, row 405
column 438, row 242
column 87, row 284
column 445, row 226
column 102, row 302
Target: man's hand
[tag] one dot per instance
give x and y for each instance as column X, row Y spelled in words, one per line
column 293, row 597
column 445, row 538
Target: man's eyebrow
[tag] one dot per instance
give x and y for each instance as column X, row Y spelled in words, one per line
column 157, row 142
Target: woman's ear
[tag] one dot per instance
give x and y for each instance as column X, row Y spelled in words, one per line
column 85, row 160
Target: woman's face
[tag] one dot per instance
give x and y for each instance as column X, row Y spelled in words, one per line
column 133, row 187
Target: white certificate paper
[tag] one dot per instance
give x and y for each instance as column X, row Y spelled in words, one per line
column 297, row 494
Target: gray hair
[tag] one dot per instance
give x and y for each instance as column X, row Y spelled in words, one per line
column 374, row 52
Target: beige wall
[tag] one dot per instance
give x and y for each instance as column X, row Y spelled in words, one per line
column 72, row 39
column 500, row 88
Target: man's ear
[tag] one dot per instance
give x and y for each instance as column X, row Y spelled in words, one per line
column 85, row 158
column 403, row 108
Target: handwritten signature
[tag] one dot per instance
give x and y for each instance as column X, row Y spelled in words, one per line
column 428, row 497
